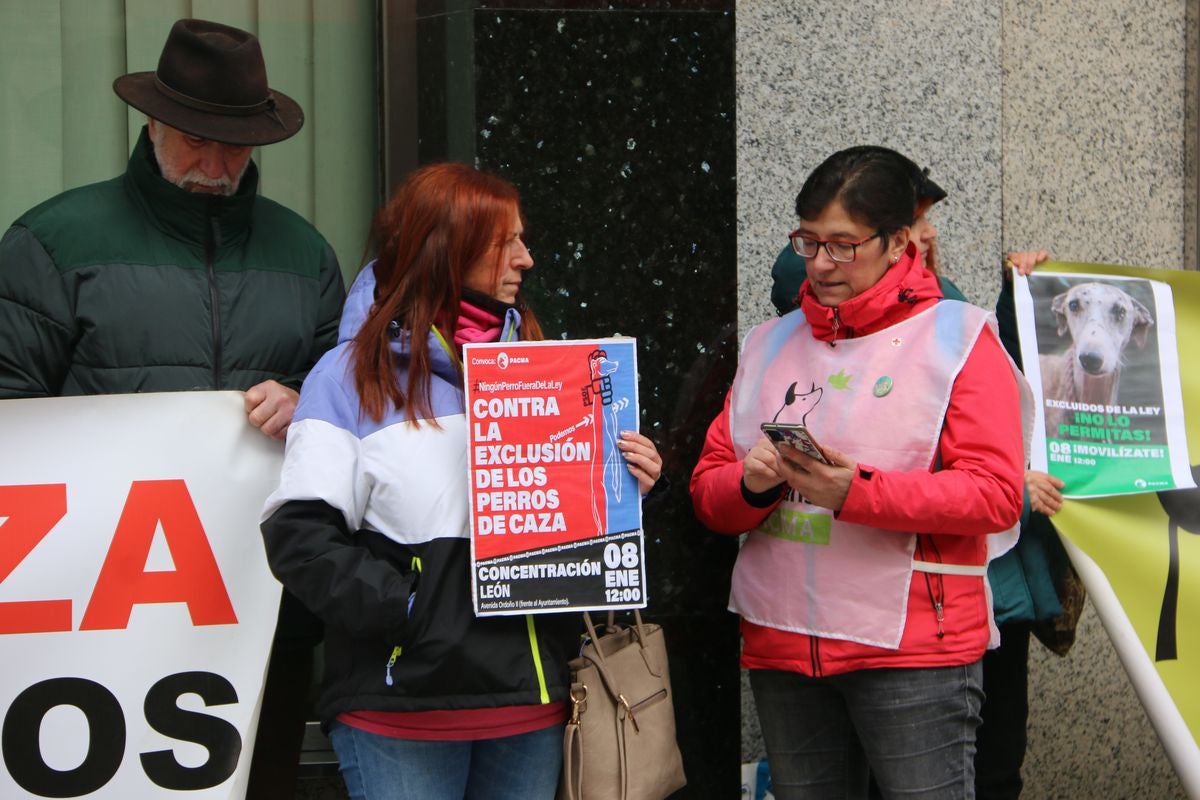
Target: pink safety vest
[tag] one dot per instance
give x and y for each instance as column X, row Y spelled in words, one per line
column 881, row 399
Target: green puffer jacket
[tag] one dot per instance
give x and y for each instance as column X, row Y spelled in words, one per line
column 135, row 285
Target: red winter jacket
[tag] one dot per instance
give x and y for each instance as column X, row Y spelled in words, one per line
column 977, row 491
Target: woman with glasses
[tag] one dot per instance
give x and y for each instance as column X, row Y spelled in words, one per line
column 370, row 527
column 1026, row 581
column 861, row 582
column 788, row 272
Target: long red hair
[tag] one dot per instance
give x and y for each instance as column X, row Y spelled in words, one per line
column 442, row 220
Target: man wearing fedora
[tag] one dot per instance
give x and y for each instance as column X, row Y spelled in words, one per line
column 177, row 276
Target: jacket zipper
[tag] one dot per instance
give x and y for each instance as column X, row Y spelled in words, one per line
column 391, row 663
column 212, row 242
column 397, row 650
column 934, row 586
column 836, row 322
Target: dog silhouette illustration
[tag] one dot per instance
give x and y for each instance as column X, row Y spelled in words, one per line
column 798, row 406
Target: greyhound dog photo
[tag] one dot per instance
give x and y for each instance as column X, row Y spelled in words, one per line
column 1101, row 320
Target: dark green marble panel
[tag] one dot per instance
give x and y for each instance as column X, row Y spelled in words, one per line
column 616, row 123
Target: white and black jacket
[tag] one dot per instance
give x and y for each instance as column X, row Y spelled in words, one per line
column 369, row 528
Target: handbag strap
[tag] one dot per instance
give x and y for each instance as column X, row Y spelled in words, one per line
column 638, row 628
column 597, row 659
column 573, row 750
column 572, row 781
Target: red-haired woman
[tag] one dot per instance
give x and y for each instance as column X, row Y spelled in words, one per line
column 370, row 524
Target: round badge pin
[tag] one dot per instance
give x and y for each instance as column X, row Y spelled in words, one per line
column 882, row 386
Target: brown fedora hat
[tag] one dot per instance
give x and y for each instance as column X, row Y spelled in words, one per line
column 211, row 82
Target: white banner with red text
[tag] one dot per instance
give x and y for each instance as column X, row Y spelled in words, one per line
column 136, row 606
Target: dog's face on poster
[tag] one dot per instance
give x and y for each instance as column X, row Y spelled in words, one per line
column 1101, row 320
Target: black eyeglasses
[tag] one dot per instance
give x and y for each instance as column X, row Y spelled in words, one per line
column 841, row 252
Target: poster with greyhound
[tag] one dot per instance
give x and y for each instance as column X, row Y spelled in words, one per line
column 1139, row 554
column 556, row 517
column 1101, row 355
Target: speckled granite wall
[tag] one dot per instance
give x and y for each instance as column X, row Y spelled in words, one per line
column 1093, row 138
column 1093, row 165
column 815, row 76
column 1051, row 124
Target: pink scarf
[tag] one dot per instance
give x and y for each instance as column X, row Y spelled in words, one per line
column 475, row 325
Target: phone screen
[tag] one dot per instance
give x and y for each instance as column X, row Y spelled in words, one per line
column 796, row 436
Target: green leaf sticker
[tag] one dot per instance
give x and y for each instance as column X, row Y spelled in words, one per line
column 840, row 380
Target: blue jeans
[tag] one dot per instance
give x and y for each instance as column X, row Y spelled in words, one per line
column 913, row 729
column 522, row 767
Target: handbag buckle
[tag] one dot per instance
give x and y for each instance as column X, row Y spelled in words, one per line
column 578, row 702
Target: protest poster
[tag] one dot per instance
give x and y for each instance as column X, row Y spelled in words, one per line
column 1100, row 353
column 136, row 606
column 1139, row 554
column 555, row 514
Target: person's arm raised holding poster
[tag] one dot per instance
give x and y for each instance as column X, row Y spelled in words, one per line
column 643, row 459
column 370, row 524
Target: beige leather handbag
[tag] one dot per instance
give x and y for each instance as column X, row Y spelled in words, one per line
column 620, row 741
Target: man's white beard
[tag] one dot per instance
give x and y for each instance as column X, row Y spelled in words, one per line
column 194, row 177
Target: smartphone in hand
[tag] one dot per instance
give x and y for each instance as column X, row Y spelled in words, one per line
column 794, row 435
